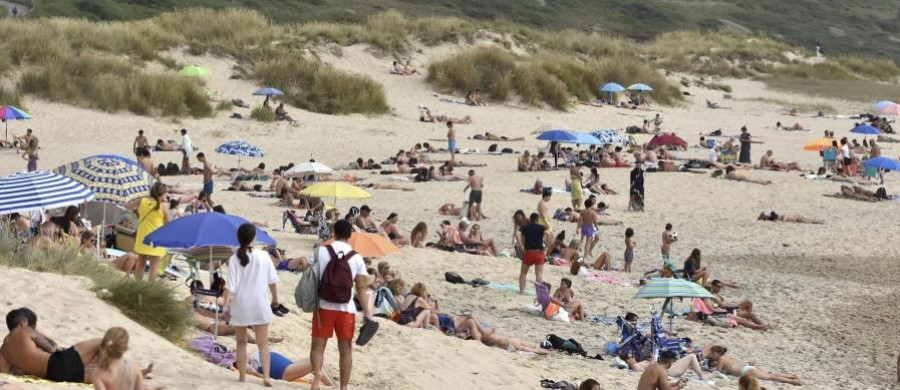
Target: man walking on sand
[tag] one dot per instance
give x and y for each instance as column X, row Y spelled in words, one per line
column 587, row 226
column 140, row 142
column 476, row 184
column 31, row 150
column 187, row 147
column 337, row 318
column 451, row 142
column 533, row 235
column 208, row 185
column 667, row 239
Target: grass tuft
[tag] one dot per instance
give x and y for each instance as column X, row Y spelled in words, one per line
column 261, row 114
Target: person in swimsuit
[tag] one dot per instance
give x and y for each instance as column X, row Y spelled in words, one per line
column 586, row 223
column 476, row 184
column 729, row 366
column 208, row 185
column 451, row 141
column 115, row 372
column 656, row 375
column 365, row 222
column 510, row 344
column 543, row 210
column 630, row 244
column 32, row 353
column 140, row 142
column 415, row 312
column 667, row 239
column 576, row 188
column 285, row 369
column 795, row 218
column 532, row 236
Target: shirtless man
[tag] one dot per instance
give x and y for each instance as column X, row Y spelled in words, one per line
column 30, row 352
column 451, row 141
column 766, row 162
column 208, row 185
column 656, row 375
column 365, row 222
column 485, row 246
column 730, row 366
column 476, row 184
column 140, row 142
column 525, row 162
column 795, row 218
column 587, row 226
column 389, row 226
column 433, row 174
column 494, row 137
column 667, row 240
column 146, row 161
column 733, row 174
column 543, row 210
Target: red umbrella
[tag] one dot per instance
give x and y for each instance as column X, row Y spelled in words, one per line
column 666, row 140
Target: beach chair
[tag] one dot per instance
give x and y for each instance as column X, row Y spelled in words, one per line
column 632, row 342
column 727, row 157
column 870, row 172
column 660, row 341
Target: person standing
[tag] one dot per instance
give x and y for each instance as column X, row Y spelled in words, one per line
column 476, row 184
column 845, row 156
column 250, row 273
column 543, row 210
column 636, row 191
column 657, row 121
column 187, row 147
column 587, row 221
column 336, row 314
column 744, row 158
column 151, row 216
column 451, row 141
column 31, row 150
column 668, row 237
column 208, row 185
column 140, row 142
column 576, row 188
column 533, row 236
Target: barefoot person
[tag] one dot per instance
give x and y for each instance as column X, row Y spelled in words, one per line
column 677, row 369
column 187, row 148
column 476, row 184
column 151, row 216
column 543, row 210
column 733, row 174
column 140, row 142
column 533, row 236
column 451, row 141
column 334, row 317
column 668, row 237
column 795, row 218
column 729, row 366
column 250, row 274
column 208, row 185
column 34, row 354
column 587, row 225
column 656, row 375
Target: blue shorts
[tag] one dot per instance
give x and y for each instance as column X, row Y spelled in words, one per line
column 451, row 145
column 279, row 363
column 208, row 187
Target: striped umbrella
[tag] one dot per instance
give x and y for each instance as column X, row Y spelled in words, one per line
column 113, row 179
column 10, row 113
column 240, row 149
column 38, row 191
column 671, row 288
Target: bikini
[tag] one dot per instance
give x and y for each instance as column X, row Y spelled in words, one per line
column 410, row 314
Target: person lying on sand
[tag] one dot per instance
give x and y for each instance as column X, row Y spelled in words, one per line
column 733, row 174
column 444, row 174
column 510, row 344
column 582, row 268
column 387, row 186
column 166, row 146
column 403, row 70
column 767, row 162
column 494, row 137
column 283, row 263
column 744, row 316
column 363, row 164
column 676, row 370
column 795, row 127
column 285, row 369
column 795, row 218
column 427, row 116
column 402, row 168
column 240, row 185
column 656, row 374
column 28, row 351
column 729, row 366
column 449, row 209
column 859, row 193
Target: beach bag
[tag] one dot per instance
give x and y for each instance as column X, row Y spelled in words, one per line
column 161, row 170
column 453, row 277
column 336, row 284
column 881, row 193
column 507, row 151
column 172, row 169
column 307, row 292
column 213, row 352
column 492, row 148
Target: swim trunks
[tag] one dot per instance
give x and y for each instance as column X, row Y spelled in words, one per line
column 475, row 197
column 283, row 266
column 629, row 255
column 665, row 252
column 208, row 187
column 451, row 145
column 534, row 257
column 588, row 231
column 65, row 366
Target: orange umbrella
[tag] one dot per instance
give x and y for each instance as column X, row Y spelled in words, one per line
column 818, row 145
column 370, row 244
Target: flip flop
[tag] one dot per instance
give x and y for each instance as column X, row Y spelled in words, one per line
column 366, row 332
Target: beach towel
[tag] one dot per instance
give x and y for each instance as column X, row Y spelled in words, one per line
column 507, row 287
column 213, row 352
column 447, row 100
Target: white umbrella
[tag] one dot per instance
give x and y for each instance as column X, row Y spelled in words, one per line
column 309, row 168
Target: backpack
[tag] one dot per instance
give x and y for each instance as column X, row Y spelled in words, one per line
column 161, row 170
column 492, row 148
column 336, row 284
column 172, row 169
column 507, row 151
column 307, row 292
column 453, row 277
column 213, row 352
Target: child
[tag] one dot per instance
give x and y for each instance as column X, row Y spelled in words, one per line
column 566, row 295
column 114, row 372
column 630, row 244
column 668, row 237
column 586, row 224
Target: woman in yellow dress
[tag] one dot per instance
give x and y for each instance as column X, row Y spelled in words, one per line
column 151, row 216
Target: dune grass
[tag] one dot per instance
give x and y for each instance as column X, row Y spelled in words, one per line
column 854, row 89
column 153, row 305
column 261, row 114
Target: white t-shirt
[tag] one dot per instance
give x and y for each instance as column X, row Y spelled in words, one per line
column 845, row 151
column 713, row 156
column 186, row 144
column 249, row 287
column 357, row 267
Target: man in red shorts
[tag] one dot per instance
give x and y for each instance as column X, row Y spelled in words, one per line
column 338, row 318
column 533, row 235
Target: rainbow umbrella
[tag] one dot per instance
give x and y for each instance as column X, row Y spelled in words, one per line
column 10, row 113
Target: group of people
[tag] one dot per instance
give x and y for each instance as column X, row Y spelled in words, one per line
column 27, row 146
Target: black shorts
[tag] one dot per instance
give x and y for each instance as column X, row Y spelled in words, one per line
column 65, row 366
column 475, row 197
column 847, row 160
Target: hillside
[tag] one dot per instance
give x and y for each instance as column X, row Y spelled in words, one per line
column 841, row 26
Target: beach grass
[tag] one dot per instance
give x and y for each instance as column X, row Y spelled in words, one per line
column 153, row 305
column 853, row 89
column 261, row 114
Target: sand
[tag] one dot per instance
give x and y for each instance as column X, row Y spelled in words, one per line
column 829, row 290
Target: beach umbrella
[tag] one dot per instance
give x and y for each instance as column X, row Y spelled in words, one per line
column 612, row 88
column 671, row 288
column 10, row 113
column 210, row 253
column 113, row 179
column 549, row 126
column 240, row 149
column 865, row 129
column 335, row 190
column 886, row 163
column 640, row 87
column 666, row 140
column 556, row 136
column 878, row 106
column 583, row 138
column 370, row 244
column 818, row 145
column 268, row 91
column 609, row 136
column 892, row 109
column 193, row 71
column 307, row 169
column 203, row 230
column 39, row 191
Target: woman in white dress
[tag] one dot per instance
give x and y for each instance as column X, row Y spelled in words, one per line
column 250, row 273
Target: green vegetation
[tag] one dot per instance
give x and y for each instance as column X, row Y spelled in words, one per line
column 858, row 90
column 153, row 305
column 261, row 114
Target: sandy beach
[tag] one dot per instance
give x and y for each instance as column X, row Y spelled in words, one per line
column 829, row 291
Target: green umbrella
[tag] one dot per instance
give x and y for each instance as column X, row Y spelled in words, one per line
column 193, row 71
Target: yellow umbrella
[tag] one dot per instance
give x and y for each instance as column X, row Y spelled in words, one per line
column 335, row 190
column 370, row 244
column 818, row 145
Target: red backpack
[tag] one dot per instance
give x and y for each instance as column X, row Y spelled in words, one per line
column 336, row 284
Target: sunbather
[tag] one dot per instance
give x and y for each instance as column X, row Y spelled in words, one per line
column 388, row 186
column 434, row 174
column 485, row 246
column 510, row 344
column 656, row 374
column 240, row 185
column 677, row 369
column 449, row 209
column 732, row 174
column 283, row 368
column 427, row 116
column 796, row 218
column 495, row 137
column 566, row 295
column 403, row 70
column 389, row 226
column 415, row 312
column 719, row 362
column 766, row 162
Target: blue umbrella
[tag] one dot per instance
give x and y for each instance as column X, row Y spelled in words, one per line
column 240, row 149
column 612, row 88
column 881, row 105
column 558, row 136
column 268, row 91
column 865, row 129
column 203, row 230
column 640, row 87
column 885, row 163
column 10, row 113
column 38, row 191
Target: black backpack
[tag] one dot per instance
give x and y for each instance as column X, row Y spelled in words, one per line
column 161, row 170
column 453, row 277
column 172, row 169
column 492, row 148
column 507, row 151
column 569, row 346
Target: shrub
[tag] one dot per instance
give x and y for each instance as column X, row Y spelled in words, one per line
column 153, row 305
column 878, row 69
column 315, row 86
column 828, row 70
column 261, row 114
column 487, row 68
